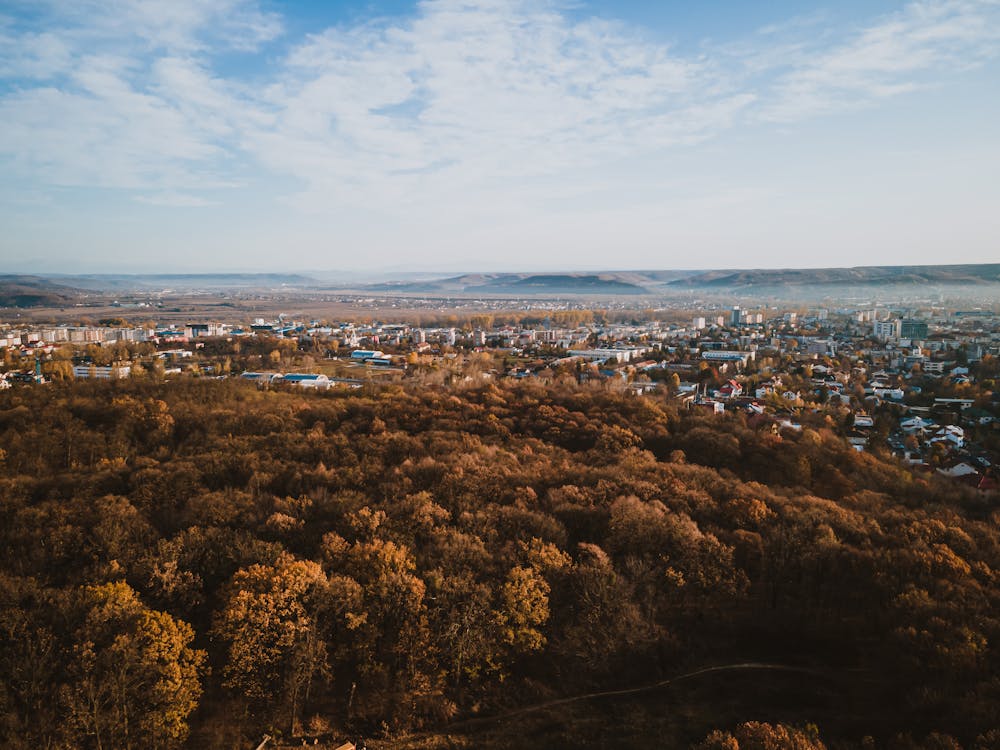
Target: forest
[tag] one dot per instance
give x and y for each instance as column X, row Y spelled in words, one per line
column 198, row 562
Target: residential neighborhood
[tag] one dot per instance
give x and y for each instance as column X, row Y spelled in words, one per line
column 919, row 383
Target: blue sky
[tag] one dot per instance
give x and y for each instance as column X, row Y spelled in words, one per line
column 144, row 135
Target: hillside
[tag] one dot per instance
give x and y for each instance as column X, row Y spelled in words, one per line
column 185, row 281
column 36, row 291
column 404, row 563
column 522, row 284
column 860, row 276
column 650, row 282
column 58, row 290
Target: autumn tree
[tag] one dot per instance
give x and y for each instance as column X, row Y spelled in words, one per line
column 270, row 624
column 133, row 677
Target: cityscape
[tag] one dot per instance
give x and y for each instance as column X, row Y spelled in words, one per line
column 488, row 374
column 915, row 382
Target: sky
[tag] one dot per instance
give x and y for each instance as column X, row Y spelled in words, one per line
column 496, row 135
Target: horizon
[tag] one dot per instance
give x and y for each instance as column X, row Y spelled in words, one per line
column 459, row 272
column 429, row 137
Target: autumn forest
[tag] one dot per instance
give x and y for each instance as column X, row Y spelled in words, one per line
column 201, row 562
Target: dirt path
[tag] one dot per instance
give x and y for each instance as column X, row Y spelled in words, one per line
column 744, row 666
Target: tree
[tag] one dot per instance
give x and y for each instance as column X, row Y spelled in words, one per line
column 754, row 735
column 134, row 679
column 524, row 600
column 270, row 623
column 30, row 662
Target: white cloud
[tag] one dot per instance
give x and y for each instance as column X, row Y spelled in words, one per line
column 173, row 199
column 119, row 95
column 892, row 57
column 468, row 94
column 472, row 104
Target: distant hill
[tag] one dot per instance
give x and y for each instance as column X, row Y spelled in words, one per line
column 523, row 284
column 59, row 291
column 35, row 291
column 157, row 281
column 670, row 281
column 862, row 275
column 564, row 284
column 28, row 290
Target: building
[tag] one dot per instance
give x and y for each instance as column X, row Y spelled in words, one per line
column 721, row 355
column 306, row 380
column 887, row 329
column 821, row 347
column 364, row 354
column 204, row 329
column 102, row 372
column 261, row 378
column 912, row 329
column 603, row 355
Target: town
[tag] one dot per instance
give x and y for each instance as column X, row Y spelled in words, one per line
column 916, row 382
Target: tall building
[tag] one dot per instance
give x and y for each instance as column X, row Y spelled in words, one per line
column 734, row 318
column 913, row 329
column 887, row 329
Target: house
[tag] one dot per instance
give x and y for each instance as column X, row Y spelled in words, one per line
column 863, row 421
column 916, row 425
column 951, row 435
column 858, row 442
column 889, row 394
column 732, row 389
column 765, row 389
column 961, row 469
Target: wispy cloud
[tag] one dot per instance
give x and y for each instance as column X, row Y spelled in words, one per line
column 119, row 94
column 459, row 102
column 478, row 92
column 173, row 199
column 896, row 55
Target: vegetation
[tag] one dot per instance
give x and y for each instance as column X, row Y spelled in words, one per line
column 200, row 561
